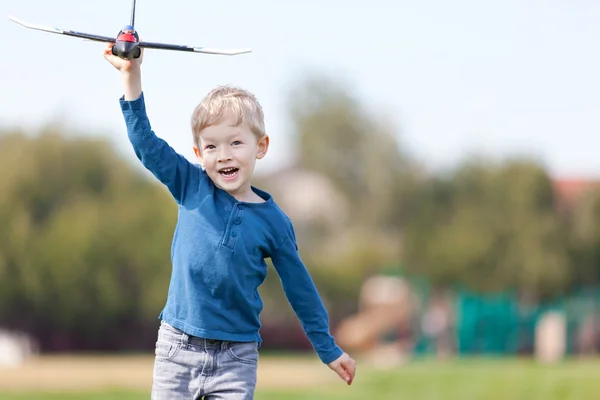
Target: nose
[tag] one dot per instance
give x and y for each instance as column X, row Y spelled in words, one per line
column 224, row 155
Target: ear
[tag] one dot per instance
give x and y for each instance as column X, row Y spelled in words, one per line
column 198, row 154
column 263, row 146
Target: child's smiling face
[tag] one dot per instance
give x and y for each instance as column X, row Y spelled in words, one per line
column 229, row 153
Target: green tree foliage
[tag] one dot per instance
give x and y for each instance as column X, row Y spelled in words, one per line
column 357, row 150
column 84, row 237
column 584, row 220
column 490, row 228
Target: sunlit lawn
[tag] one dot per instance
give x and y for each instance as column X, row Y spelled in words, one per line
column 420, row 380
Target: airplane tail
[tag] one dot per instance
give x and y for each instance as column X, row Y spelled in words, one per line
column 133, row 14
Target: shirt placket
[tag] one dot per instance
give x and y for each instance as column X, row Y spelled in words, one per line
column 233, row 225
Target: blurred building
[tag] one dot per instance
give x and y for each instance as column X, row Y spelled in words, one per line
column 569, row 190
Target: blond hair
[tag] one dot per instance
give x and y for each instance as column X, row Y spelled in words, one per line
column 228, row 100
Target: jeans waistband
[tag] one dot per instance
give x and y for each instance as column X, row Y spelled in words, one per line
column 186, row 339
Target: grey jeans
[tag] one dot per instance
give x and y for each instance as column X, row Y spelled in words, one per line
column 186, row 367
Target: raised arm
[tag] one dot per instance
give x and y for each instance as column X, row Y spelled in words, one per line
column 169, row 167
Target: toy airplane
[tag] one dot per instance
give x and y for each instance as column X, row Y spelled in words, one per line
column 127, row 43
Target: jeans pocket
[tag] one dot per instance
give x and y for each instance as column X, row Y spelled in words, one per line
column 246, row 353
column 165, row 350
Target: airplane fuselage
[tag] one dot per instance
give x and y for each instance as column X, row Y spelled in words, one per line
column 126, row 44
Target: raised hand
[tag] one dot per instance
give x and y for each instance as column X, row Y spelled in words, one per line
column 119, row 63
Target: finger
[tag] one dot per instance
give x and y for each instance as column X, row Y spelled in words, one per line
column 341, row 371
column 350, row 368
column 108, row 49
column 350, row 376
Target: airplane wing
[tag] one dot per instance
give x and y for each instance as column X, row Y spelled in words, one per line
column 87, row 36
column 206, row 50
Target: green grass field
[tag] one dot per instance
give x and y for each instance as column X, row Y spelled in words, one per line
column 420, row 380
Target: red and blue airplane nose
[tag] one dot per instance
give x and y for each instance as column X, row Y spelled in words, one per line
column 126, row 45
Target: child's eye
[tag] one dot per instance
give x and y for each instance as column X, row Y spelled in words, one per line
column 209, row 147
column 237, row 142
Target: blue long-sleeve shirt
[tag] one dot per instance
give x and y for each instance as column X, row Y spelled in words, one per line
column 219, row 249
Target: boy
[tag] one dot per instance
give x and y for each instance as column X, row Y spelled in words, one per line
column 208, row 340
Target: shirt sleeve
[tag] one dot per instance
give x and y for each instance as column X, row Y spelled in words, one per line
column 169, row 167
column 304, row 298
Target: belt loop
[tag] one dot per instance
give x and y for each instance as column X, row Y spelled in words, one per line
column 185, row 339
column 224, row 345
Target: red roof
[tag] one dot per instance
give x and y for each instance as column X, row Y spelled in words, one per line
column 569, row 190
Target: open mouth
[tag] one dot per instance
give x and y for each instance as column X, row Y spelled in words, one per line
column 229, row 173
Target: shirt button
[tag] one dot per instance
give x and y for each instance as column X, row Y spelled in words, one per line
column 233, row 234
column 238, row 221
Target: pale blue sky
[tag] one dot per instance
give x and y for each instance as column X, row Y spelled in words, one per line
column 459, row 77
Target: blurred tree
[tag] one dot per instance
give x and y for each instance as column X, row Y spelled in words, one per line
column 490, row 228
column 358, row 151
column 84, row 238
column 584, row 219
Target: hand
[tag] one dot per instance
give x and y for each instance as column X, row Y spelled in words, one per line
column 345, row 367
column 130, row 71
column 122, row 65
